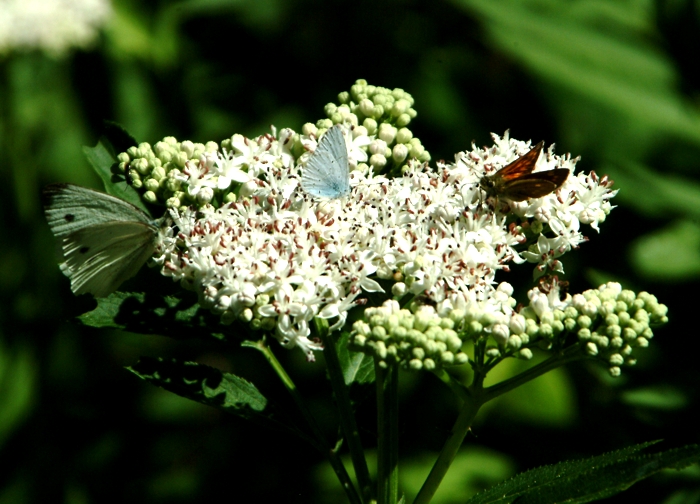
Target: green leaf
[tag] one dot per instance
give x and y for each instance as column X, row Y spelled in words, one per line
column 672, row 194
column 118, row 137
column 589, row 479
column 157, row 314
column 600, row 66
column 670, row 254
column 203, row 384
column 357, row 366
column 104, row 155
column 212, row 387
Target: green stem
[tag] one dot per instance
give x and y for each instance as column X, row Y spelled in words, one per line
column 570, row 354
column 474, row 397
column 387, row 380
column 450, row 449
column 345, row 410
column 321, row 442
column 457, row 388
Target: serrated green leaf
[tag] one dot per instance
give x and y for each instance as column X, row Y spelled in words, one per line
column 212, row 387
column 589, row 479
column 203, row 384
column 357, row 366
column 156, row 314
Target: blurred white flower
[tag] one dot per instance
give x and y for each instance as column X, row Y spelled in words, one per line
column 53, row 26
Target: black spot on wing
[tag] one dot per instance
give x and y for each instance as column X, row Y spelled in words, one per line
column 84, row 250
column 69, row 217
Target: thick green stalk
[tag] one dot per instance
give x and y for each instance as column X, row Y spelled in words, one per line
column 474, row 397
column 387, row 380
column 345, row 410
column 449, row 450
column 321, row 442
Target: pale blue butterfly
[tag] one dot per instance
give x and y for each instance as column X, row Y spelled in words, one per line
column 327, row 174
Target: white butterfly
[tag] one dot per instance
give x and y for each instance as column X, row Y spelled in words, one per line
column 104, row 240
column 327, row 173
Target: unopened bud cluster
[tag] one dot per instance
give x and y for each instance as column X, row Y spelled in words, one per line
column 416, row 340
column 612, row 323
column 609, row 323
column 158, row 171
column 382, row 114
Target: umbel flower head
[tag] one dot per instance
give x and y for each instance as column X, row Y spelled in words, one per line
column 255, row 247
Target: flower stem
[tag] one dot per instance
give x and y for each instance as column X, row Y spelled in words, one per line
column 476, row 396
column 345, row 410
column 449, row 451
column 570, row 354
column 387, row 380
column 321, row 442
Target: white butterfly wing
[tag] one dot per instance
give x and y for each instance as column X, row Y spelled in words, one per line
column 97, row 259
column 104, row 240
column 69, row 208
column 327, row 173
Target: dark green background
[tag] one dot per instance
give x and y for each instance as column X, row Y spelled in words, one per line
column 614, row 81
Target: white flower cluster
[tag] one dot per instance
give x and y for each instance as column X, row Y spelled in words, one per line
column 276, row 256
column 53, row 26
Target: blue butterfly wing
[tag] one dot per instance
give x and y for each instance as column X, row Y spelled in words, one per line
column 327, row 174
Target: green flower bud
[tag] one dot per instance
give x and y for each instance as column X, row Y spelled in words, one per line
column 546, row 331
column 387, row 133
column 569, row 324
column 591, row 349
column 378, row 161
column 613, row 331
column 371, row 125
column 493, row 352
column 525, row 354
column 415, row 364
column 366, row 107
column 616, row 359
column 403, row 120
column 404, row 135
column 629, row 334
column 151, row 185
column 447, row 358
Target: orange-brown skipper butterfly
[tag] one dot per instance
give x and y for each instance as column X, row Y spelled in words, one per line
column 516, row 181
